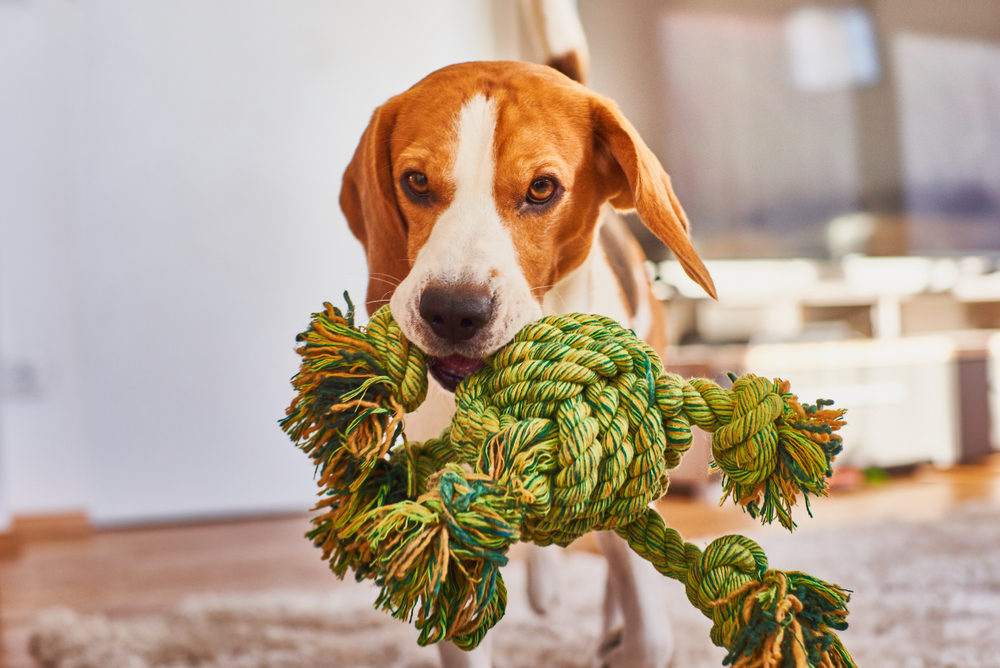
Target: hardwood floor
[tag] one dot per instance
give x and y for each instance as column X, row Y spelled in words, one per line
column 146, row 568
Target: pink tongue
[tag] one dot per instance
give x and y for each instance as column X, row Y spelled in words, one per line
column 458, row 365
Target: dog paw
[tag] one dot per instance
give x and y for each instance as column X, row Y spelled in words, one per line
column 617, row 650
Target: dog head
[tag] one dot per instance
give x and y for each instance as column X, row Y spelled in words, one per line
column 479, row 189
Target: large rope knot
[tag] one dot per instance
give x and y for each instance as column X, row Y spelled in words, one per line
column 567, row 413
column 571, row 427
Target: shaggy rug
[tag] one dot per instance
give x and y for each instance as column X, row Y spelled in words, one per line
column 926, row 596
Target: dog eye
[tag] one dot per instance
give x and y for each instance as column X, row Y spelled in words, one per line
column 417, row 183
column 541, row 190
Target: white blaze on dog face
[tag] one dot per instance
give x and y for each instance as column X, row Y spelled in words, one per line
column 468, row 243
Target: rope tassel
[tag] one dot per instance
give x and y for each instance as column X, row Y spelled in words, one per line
column 570, row 428
column 789, row 616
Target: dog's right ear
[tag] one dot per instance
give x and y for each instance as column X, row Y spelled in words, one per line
column 368, row 200
column 637, row 181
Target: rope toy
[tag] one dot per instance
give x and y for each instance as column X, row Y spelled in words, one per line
column 570, row 428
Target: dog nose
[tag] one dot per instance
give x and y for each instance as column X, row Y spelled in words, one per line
column 456, row 312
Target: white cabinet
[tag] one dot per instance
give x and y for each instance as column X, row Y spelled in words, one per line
column 902, row 395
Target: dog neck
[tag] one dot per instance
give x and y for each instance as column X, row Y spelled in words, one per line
column 593, row 287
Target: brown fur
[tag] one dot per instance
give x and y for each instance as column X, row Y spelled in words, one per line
column 569, row 64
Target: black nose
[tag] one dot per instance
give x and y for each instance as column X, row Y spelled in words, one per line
column 456, row 312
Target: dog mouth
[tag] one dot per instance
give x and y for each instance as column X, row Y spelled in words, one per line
column 453, row 369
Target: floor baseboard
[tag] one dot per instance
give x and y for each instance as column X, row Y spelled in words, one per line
column 51, row 526
column 10, row 546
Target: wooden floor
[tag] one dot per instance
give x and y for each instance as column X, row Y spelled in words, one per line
column 143, row 569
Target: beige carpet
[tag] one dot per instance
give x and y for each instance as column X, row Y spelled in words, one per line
column 926, row 596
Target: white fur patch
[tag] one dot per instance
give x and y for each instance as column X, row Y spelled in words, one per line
column 590, row 288
column 469, row 245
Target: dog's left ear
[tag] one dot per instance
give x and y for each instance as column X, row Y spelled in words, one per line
column 636, row 180
column 368, row 200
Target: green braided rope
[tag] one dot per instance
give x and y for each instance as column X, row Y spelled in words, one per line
column 570, row 428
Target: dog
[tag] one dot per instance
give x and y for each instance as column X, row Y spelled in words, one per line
column 485, row 197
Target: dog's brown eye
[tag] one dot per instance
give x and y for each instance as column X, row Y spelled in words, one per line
column 541, row 190
column 417, row 182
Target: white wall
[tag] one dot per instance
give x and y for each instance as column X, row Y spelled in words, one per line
column 43, row 457
column 182, row 223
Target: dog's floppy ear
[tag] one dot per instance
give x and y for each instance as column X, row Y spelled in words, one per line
column 638, row 181
column 368, row 200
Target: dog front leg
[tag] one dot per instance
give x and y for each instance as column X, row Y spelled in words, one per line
column 634, row 591
column 543, row 577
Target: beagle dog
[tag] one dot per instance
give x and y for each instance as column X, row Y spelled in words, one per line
column 485, row 198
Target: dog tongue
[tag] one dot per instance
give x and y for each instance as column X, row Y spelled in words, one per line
column 450, row 371
column 458, row 365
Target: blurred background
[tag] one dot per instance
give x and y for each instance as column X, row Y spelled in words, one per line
column 169, row 175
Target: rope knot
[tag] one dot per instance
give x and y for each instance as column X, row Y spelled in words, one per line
column 746, row 448
column 774, row 449
column 727, row 565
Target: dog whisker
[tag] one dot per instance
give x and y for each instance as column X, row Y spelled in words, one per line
column 387, row 278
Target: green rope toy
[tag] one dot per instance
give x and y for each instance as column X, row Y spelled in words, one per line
column 570, row 428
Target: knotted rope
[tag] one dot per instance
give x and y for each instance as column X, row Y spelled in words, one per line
column 570, row 428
